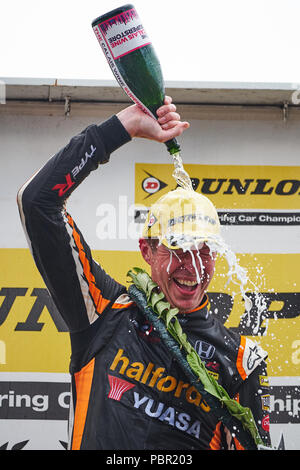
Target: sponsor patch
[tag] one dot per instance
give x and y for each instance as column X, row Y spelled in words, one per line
column 264, row 381
column 265, row 402
column 157, row 378
column 118, row 387
column 265, row 424
column 191, row 218
column 204, row 350
column 253, row 355
column 167, row 414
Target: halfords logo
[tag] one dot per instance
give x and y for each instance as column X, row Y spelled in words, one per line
column 118, row 387
column 154, row 377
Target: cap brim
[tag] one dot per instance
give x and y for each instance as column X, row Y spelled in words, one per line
column 187, row 241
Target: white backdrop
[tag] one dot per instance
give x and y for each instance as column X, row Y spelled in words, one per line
column 26, row 142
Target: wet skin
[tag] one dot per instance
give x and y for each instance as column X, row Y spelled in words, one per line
column 176, row 275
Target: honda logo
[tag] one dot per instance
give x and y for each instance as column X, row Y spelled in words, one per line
column 204, row 350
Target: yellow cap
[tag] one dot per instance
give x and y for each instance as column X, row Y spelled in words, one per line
column 182, row 218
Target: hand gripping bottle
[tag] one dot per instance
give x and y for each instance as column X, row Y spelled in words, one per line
column 133, row 61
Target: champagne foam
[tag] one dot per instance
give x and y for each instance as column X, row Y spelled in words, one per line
column 236, row 274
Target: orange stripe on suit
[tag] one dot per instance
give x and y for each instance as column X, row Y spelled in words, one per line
column 83, row 382
column 99, row 301
column 239, row 361
column 215, row 443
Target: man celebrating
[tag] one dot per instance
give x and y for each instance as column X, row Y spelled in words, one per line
column 128, row 392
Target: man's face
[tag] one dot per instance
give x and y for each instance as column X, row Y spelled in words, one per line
column 175, row 272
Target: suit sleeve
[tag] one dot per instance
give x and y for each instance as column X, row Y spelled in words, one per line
column 255, row 394
column 79, row 287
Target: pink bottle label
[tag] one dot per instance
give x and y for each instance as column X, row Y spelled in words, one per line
column 122, row 34
column 119, row 36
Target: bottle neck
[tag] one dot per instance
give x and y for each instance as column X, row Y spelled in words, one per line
column 172, row 146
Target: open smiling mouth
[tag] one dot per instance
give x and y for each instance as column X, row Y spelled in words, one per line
column 186, row 285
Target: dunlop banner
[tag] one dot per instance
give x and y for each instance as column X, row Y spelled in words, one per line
column 243, row 195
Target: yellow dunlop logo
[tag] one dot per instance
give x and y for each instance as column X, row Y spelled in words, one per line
column 153, row 376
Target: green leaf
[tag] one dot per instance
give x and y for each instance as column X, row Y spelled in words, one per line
column 170, row 315
column 178, row 327
column 162, row 307
column 155, row 298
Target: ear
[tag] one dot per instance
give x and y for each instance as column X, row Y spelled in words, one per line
column 146, row 251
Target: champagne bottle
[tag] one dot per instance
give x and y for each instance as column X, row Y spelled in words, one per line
column 133, row 60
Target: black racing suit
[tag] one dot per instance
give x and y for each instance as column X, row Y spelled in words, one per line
column 127, row 392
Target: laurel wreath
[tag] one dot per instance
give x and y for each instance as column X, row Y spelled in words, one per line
column 155, row 303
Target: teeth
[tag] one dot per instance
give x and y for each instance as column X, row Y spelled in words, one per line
column 186, row 282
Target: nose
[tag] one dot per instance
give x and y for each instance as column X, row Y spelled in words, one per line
column 191, row 261
column 187, row 256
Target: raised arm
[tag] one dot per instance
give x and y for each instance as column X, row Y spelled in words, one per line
column 79, row 287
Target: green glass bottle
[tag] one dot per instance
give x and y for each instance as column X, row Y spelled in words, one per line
column 133, row 60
